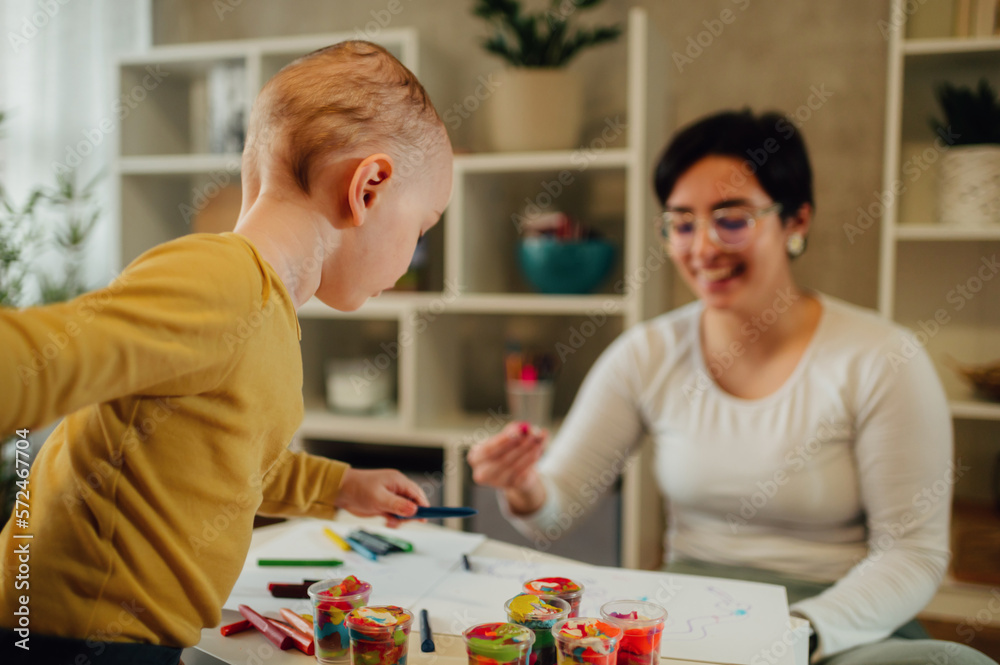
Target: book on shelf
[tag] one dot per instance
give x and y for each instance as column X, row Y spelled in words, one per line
column 976, row 18
column 985, row 24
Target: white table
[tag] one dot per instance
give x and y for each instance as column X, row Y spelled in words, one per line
column 250, row 647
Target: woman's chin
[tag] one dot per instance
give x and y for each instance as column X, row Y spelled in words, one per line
column 719, row 293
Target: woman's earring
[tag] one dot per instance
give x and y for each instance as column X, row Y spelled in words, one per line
column 795, row 245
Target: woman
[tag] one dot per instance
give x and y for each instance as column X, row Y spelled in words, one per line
column 792, row 445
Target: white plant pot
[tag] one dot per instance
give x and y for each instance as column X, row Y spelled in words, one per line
column 537, row 109
column 969, row 186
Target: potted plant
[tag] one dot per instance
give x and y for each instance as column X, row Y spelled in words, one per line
column 539, row 104
column 969, row 179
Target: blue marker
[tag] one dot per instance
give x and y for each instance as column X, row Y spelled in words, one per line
column 361, row 549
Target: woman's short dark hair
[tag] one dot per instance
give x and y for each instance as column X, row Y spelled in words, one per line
column 769, row 145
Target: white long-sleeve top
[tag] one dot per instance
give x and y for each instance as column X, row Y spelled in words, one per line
column 844, row 474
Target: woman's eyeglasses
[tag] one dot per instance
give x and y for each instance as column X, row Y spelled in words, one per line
column 729, row 228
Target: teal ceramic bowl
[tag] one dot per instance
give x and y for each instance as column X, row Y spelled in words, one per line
column 560, row 266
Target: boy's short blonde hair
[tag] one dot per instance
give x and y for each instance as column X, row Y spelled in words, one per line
column 350, row 95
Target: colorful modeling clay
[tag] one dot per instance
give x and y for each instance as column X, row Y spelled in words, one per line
column 559, row 587
column 538, row 614
column 586, row 640
column 498, row 644
column 332, row 601
column 642, row 627
column 379, row 634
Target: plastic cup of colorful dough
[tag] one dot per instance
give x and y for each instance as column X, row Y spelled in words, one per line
column 498, row 644
column 538, row 614
column 559, row 587
column 586, row 640
column 642, row 627
column 332, row 601
column 380, row 634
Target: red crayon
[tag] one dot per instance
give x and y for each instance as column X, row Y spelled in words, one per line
column 277, row 637
column 303, row 642
column 237, row 627
column 296, row 620
column 291, row 590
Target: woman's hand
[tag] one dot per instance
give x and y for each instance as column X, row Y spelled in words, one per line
column 385, row 492
column 507, row 462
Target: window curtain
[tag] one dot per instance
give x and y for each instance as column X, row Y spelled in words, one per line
column 57, row 64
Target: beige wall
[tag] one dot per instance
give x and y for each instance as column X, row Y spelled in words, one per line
column 773, row 55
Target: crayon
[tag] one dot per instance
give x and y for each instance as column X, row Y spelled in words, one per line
column 300, row 640
column 278, row 638
column 376, row 545
column 296, row 621
column 403, row 545
column 299, row 562
column 338, row 541
column 362, row 550
column 237, row 627
column 289, row 590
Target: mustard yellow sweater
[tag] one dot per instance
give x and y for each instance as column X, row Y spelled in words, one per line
column 183, row 385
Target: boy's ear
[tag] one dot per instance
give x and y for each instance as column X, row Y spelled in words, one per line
column 368, row 183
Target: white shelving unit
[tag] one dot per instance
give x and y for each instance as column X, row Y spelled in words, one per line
column 444, row 345
column 922, row 262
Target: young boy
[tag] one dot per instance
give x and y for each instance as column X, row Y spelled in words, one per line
column 182, row 380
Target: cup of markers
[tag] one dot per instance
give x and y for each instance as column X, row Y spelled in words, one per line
column 332, row 601
column 586, row 640
column 557, row 587
column 498, row 644
column 538, row 614
column 379, row 634
column 642, row 626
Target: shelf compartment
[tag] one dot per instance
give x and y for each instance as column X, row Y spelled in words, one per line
column 374, row 344
column 165, row 104
column 159, row 208
column 952, row 310
column 459, row 363
column 489, row 217
column 426, row 466
column 920, row 150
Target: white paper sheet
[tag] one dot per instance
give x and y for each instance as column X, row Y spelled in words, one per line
column 396, row 579
column 715, row 620
column 711, row 620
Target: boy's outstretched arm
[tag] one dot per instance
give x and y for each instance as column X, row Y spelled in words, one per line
column 300, row 484
column 160, row 324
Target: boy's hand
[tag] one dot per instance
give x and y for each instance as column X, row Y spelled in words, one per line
column 385, row 492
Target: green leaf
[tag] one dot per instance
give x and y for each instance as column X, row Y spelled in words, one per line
column 539, row 39
column 972, row 113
